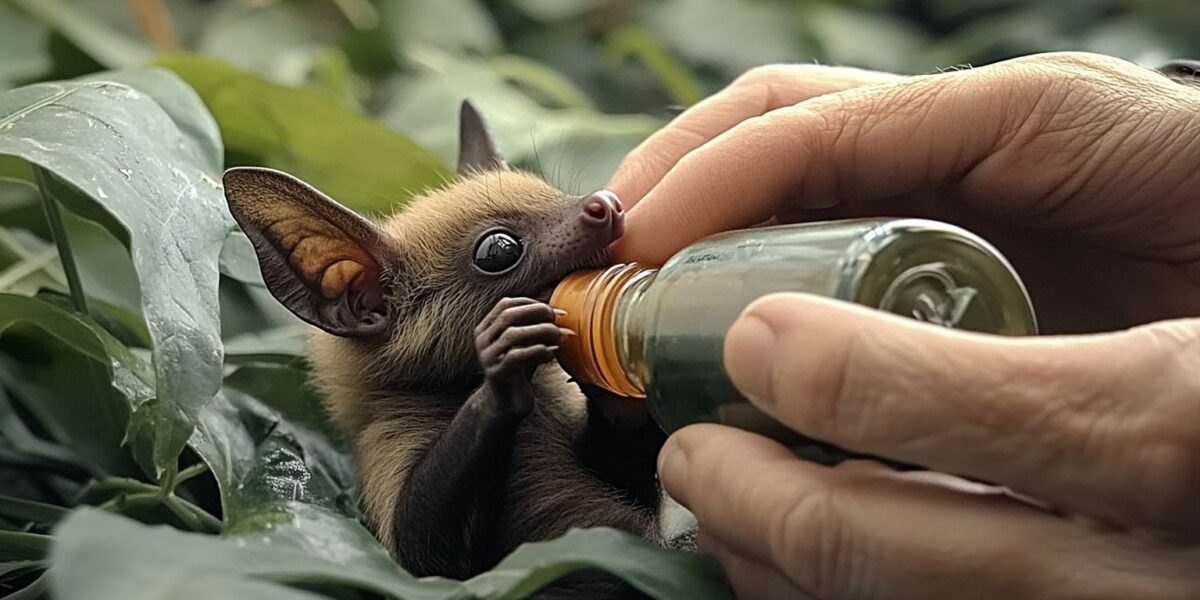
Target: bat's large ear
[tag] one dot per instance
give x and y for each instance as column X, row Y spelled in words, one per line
column 477, row 150
column 319, row 259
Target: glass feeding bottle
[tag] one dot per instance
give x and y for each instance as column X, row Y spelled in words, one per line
column 658, row 333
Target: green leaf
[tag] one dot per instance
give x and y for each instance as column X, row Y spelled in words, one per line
column 140, row 145
column 653, row 570
column 281, row 344
column 28, row 510
column 558, row 89
column 312, row 546
column 84, row 25
column 334, row 77
column 409, row 23
column 554, row 10
column 159, row 562
column 239, row 261
column 51, row 381
column 577, row 149
column 278, row 41
column 262, row 461
column 23, row 46
column 839, row 32
column 357, row 161
column 23, row 546
column 641, row 44
column 18, row 567
column 728, row 35
column 30, row 455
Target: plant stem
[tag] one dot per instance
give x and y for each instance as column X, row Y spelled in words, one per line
column 117, row 484
column 59, row 231
column 195, row 517
column 14, row 274
column 190, row 472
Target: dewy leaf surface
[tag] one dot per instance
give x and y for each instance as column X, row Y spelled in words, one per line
column 141, row 145
column 164, row 563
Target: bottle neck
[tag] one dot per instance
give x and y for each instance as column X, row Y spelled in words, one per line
column 602, row 307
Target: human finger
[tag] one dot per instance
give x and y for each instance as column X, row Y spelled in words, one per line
column 856, row 533
column 1006, row 140
column 750, row 578
column 1099, row 424
column 758, row 91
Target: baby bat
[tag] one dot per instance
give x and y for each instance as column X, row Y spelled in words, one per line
column 433, row 347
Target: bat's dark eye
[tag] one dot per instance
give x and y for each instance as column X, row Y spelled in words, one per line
column 498, row 252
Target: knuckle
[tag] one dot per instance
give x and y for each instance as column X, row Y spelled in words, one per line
column 760, row 75
column 810, row 537
column 1174, row 391
column 1155, row 397
column 545, row 331
column 509, row 303
column 1174, row 499
column 1077, row 62
column 509, row 337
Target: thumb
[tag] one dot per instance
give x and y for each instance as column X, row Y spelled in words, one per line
column 1100, row 424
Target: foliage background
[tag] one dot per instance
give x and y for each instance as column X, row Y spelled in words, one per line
column 146, row 378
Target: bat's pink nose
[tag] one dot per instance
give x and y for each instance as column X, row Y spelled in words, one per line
column 603, row 208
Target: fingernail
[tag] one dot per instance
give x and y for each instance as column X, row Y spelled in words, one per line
column 560, row 312
column 749, row 354
column 673, row 470
column 566, row 332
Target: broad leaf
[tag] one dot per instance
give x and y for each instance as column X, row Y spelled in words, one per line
column 574, row 148
column 348, row 156
column 657, row 572
column 281, row 344
column 23, row 46
column 315, row 547
column 278, row 41
column 154, row 167
column 262, row 460
column 83, row 23
column 839, row 31
column 32, row 455
column 113, row 380
column 20, row 509
column 473, row 29
column 728, row 35
column 158, row 562
column 23, row 546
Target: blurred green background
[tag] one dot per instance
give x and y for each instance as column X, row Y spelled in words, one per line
column 359, row 98
column 570, row 85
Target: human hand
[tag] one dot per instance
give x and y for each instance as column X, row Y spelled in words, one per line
column 1102, row 430
column 1084, row 170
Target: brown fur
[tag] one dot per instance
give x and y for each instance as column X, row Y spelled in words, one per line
column 433, row 349
column 366, row 384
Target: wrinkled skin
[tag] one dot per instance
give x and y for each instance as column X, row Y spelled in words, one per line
column 1085, row 171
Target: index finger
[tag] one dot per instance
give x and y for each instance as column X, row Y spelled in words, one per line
column 867, row 142
column 755, row 93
